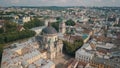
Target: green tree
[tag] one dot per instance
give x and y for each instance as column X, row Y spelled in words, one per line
column 70, row 22
column 1, row 51
column 55, row 25
column 10, row 26
column 59, row 19
column 71, row 48
column 2, row 38
column 1, row 30
column 16, row 35
column 33, row 23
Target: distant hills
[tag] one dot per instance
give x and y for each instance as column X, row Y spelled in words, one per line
column 63, row 7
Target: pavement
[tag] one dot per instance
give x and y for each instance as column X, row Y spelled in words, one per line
column 61, row 60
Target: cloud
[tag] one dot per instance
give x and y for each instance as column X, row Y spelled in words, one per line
column 15, row 1
column 98, row 0
column 12, row 1
column 113, row 1
column 60, row 2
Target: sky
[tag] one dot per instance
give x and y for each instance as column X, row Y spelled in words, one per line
column 115, row 3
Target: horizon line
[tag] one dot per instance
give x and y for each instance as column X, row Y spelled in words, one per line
column 57, row 6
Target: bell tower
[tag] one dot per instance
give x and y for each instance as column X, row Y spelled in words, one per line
column 62, row 27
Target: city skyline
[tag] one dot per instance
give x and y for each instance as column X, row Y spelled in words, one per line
column 59, row 34
column 98, row 3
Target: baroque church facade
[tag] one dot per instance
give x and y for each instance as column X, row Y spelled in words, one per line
column 49, row 42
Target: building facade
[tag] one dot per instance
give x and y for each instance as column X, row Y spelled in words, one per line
column 83, row 54
column 62, row 28
column 49, row 41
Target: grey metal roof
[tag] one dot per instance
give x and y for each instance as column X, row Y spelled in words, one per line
column 109, row 62
column 49, row 30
